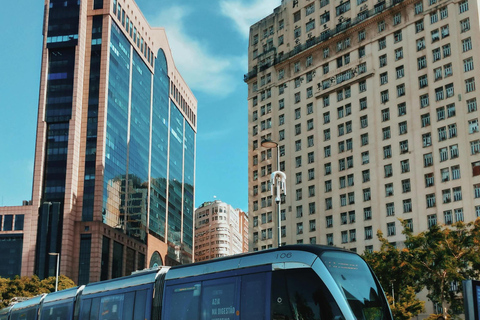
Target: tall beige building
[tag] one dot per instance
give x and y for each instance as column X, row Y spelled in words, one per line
column 373, row 105
column 220, row 230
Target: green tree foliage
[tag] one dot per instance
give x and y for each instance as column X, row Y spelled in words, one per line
column 406, row 305
column 445, row 256
column 398, row 278
column 29, row 287
column 438, row 259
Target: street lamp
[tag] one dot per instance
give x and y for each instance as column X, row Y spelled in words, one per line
column 58, row 267
column 269, row 144
column 278, row 179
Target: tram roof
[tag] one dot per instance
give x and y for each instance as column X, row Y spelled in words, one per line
column 303, row 254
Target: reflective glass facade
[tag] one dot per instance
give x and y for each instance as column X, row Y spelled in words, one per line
column 147, row 132
column 117, row 131
column 159, row 159
column 175, row 177
column 138, row 150
column 92, row 121
column 188, row 199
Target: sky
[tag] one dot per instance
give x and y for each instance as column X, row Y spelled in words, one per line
column 209, row 42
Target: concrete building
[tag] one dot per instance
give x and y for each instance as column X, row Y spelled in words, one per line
column 373, row 105
column 220, row 230
column 113, row 187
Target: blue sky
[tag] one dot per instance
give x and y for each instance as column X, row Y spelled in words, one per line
column 209, row 41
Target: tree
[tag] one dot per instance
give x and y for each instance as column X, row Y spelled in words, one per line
column 398, row 277
column 407, row 305
column 30, row 287
column 444, row 256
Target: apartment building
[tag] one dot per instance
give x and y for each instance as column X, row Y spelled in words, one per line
column 113, row 188
column 373, row 107
column 220, row 231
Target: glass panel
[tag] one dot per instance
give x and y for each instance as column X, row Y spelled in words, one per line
column 182, row 302
column 354, row 278
column 254, row 297
column 300, row 294
column 57, row 311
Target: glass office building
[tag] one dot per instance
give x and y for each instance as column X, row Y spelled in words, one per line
column 113, row 187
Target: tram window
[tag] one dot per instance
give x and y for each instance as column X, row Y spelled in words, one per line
column 300, row 294
column 129, row 299
column 57, row 311
column 254, row 297
column 111, row 307
column 355, row 279
column 140, row 304
column 85, row 309
column 219, row 299
column 25, row 314
column 182, row 301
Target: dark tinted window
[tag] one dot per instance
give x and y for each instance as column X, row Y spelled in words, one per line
column 219, row 298
column 182, row 301
column 25, row 314
column 57, row 311
column 7, row 222
column 254, row 297
column 300, row 294
column 140, row 305
column 19, row 221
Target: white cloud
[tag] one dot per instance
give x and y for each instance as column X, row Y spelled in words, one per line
column 244, row 15
column 202, row 70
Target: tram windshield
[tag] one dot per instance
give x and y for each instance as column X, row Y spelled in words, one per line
column 356, row 281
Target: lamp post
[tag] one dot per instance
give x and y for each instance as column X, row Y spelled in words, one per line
column 58, row 268
column 278, row 179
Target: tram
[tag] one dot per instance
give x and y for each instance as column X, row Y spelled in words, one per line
column 294, row 282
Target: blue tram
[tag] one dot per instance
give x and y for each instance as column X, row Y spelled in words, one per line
column 297, row 282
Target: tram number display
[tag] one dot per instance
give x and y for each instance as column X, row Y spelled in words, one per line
column 283, row 255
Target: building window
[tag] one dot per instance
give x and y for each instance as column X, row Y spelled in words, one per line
column 402, row 127
column 384, row 96
column 365, row 157
column 470, row 85
column 391, row 229
column 419, row 26
column 463, row 6
column 344, row 237
column 418, row 7
column 427, row 139
column 424, row 100
column 367, row 213
column 397, row 36
column 300, row 228
column 366, row 194
column 383, row 60
column 429, row 180
column 430, row 200
column 387, row 152
column 431, row 220
column 465, row 25
column 404, row 146
column 364, row 139
column 467, row 44
column 381, row 26
column 421, row 44
column 422, row 81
